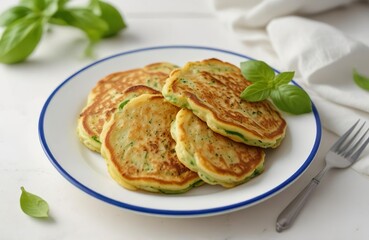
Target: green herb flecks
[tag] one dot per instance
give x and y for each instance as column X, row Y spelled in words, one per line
column 122, row 104
column 33, row 205
column 26, row 23
column 96, row 139
column 361, row 80
column 266, row 84
column 237, row 134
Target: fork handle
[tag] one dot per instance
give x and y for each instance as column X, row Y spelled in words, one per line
column 289, row 214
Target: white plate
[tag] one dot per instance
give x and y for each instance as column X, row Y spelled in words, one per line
column 87, row 170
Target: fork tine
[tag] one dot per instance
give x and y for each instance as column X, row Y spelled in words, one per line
column 340, row 141
column 357, row 154
column 343, row 149
column 349, row 152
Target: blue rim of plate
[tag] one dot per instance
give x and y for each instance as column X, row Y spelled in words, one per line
column 210, row 211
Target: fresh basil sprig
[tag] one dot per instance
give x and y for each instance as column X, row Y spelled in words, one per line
column 25, row 24
column 361, row 80
column 33, row 205
column 19, row 40
column 110, row 15
column 13, row 14
column 266, row 84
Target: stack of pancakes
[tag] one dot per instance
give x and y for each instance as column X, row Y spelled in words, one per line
column 106, row 96
column 167, row 129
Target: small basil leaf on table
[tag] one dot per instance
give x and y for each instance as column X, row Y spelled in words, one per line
column 291, row 99
column 33, row 205
column 13, row 14
column 361, row 80
column 20, row 39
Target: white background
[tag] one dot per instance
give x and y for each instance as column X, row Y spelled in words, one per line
column 339, row 208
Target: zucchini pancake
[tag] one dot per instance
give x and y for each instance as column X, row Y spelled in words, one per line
column 108, row 93
column 217, row 159
column 139, row 150
column 211, row 90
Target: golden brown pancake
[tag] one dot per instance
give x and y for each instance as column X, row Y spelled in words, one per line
column 211, row 90
column 108, row 92
column 217, row 159
column 152, row 75
column 139, row 150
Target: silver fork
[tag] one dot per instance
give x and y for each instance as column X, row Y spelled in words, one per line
column 342, row 154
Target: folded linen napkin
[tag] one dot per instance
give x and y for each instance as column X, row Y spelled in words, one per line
column 322, row 56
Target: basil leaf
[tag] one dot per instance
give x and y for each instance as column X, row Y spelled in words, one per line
column 36, row 5
column 95, row 7
column 85, row 20
column 61, row 3
column 51, row 8
column 58, row 17
column 257, row 91
column 360, row 80
column 13, row 14
column 283, row 78
column 33, row 205
column 112, row 17
column 254, row 70
column 20, row 39
column 291, row 99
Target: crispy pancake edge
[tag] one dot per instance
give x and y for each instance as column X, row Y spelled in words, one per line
column 85, row 130
column 114, row 167
column 217, row 125
column 194, row 161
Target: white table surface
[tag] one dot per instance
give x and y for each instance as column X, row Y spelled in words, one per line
column 339, row 208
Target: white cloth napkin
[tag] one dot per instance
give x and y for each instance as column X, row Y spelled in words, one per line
column 322, row 56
